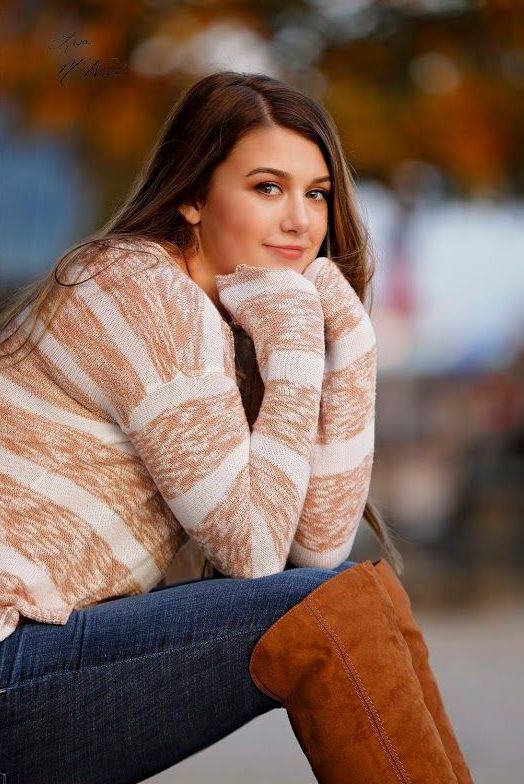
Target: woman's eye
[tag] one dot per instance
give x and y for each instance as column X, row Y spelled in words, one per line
column 323, row 194
column 266, row 185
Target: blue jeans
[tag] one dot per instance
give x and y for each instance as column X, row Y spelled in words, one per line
column 131, row 686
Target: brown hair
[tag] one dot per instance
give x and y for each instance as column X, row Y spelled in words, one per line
column 198, row 134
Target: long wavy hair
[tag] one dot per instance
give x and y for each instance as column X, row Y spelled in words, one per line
column 198, row 134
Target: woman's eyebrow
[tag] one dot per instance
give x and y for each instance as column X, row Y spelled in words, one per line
column 283, row 174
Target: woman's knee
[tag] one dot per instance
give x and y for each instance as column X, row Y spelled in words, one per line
column 284, row 590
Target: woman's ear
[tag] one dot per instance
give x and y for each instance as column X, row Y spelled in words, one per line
column 191, row 212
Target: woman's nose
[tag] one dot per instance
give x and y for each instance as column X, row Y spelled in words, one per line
column 296, row 217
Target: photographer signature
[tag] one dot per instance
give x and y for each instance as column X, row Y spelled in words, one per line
column 69, row 40
column 88, row 67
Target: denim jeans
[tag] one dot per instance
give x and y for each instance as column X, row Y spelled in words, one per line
column 131, row 686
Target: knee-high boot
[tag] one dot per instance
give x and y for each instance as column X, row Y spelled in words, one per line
column 420, row 659
column 342, row 669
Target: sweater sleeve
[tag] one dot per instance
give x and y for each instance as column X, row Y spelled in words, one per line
column 344, row 444
column 167, row 377
column 239, row 494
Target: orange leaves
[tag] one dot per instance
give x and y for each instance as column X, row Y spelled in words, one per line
column 443, row 88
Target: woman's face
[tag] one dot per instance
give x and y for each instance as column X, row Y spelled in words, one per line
column 247, row 214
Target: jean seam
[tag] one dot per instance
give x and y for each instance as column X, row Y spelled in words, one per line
column 48, row 675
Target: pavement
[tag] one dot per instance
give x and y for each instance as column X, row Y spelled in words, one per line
column 477, row 656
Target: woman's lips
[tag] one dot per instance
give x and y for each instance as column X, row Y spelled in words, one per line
column 286, row 253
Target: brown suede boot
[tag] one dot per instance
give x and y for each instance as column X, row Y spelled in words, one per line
column 340, row 665
column 420, row 658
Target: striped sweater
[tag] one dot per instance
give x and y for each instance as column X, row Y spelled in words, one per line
column 123, row 435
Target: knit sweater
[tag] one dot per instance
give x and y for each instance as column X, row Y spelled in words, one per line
column 123, row 434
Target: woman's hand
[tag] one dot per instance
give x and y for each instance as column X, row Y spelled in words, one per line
column 278, row 308
column 341, row 305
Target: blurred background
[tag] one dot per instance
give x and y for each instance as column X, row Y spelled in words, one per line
column 429, row 100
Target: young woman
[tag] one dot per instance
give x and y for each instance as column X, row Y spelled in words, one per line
column 203, row 370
